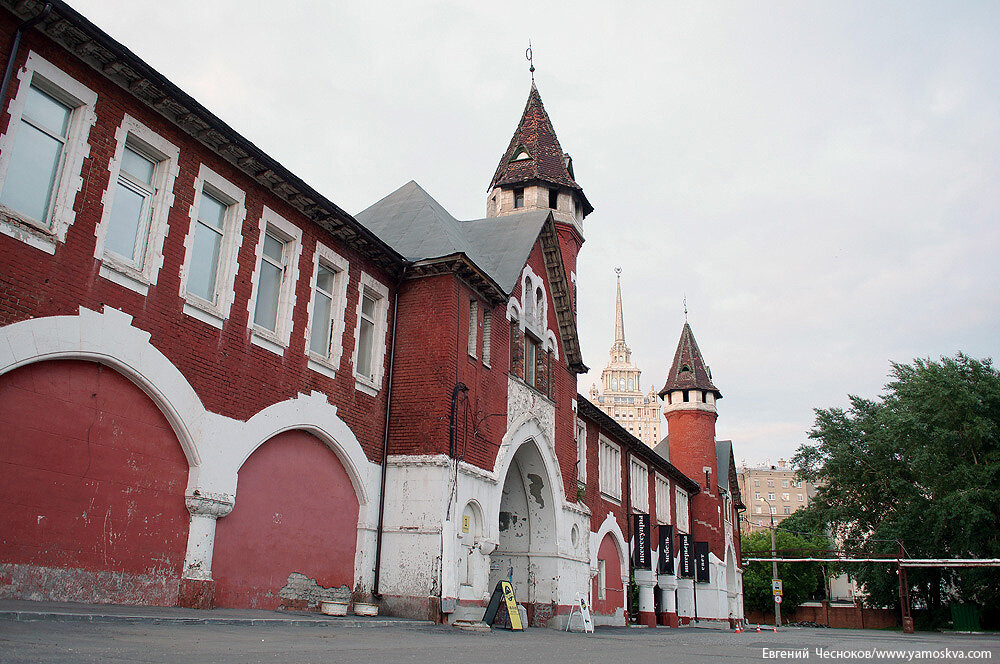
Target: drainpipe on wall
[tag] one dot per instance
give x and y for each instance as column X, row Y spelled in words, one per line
column 24, row 26
column 385, row 442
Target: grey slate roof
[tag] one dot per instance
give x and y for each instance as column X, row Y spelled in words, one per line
column 663, row 448
column 414, row 224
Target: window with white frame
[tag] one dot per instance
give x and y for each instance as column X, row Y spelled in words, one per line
column 136, row 204
column 42, row 152
column 662, row 490
column 602, row 579
column 801, row 498
column 681, row 510
column 581, row 451
column 273, row 298
column 328, row 301
column 639, row 486
column 487, row 335
column 211, row 247
column 610, row 458
column 770, row 496
column 369, row 335
column 473, row 328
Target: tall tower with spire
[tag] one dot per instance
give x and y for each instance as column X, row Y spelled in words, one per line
column 535, row 174
column 621, row 394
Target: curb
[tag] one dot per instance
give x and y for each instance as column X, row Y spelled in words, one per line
column 56, row 616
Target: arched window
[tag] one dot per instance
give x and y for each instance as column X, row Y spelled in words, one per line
column 538, row 305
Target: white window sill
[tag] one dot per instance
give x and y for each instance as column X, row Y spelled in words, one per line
column 199, row 311
column 366, row 386
column 321, row 367
column 611, row 499
column 27, row 231
column 112, row 273
column 268, row 341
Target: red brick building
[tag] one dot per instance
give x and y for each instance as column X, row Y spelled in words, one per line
column 217, row 388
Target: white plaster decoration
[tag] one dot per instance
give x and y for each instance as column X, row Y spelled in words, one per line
column 43, row 234
column 330, row 259
column 367, row 283
column 514, row 310
column 523, row 402
column 292, row 236
column 646, row 580
column 610, row 527
column 108, row 337
column 146, row 267
column 218, row 308
column 201, row 533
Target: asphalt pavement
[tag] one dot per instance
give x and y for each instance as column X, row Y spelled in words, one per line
column 43, row 633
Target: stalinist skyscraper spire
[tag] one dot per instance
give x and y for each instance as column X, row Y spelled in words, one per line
column 621, row 395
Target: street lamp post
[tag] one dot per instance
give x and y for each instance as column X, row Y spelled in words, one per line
column 774, row 566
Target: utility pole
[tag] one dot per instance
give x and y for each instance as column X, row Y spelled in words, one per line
column 774, row 568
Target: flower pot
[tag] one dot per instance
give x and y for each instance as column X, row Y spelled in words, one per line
column 334, row 608
column 362, row 609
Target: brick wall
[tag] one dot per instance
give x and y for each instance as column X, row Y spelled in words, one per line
column 231, row 376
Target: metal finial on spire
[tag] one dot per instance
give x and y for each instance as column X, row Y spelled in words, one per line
column 529, row 56
column 685, row 308
column 619, row 320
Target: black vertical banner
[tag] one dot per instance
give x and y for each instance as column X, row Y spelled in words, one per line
column 641, row 546
column 686, row 570
column 666, row 542
column 701, row 562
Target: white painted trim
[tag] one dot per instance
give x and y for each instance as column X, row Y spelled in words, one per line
column 232, row 240
column 39, row 233
column 528, row 431
column 327, row 256
column 163, row 198
column 610, row 527
column 373, row 382
column 110, row 338
column 282, row 334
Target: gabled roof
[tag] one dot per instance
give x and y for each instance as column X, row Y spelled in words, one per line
column 726, row 463
column 689, row 371
column 488, row 253
column 419, row 228
column 546, row 160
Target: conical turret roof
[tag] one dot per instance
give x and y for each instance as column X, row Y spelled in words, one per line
column 689, row 371
column 534, row 153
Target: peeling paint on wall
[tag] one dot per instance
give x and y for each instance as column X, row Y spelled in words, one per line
column 535, row 488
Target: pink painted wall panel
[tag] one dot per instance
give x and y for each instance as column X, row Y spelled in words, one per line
column 296, row 511
column 615, row 594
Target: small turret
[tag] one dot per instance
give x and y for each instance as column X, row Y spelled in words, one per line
column 535, row 174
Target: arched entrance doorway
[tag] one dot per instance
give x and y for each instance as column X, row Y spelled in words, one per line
column 291, row 537
column 92, row 481
column 608, row 591
column 526, row 551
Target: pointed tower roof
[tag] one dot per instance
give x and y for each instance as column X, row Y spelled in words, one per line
column 689, row 372
column 619, row 321
column 534, row 153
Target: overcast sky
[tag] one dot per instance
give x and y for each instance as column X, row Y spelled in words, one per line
column 820, row 179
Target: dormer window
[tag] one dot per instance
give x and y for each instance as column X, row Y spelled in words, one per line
column 519, row 197
column 520, row 154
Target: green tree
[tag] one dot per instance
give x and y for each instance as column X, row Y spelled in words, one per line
column 800, row 581
column 920, row 464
